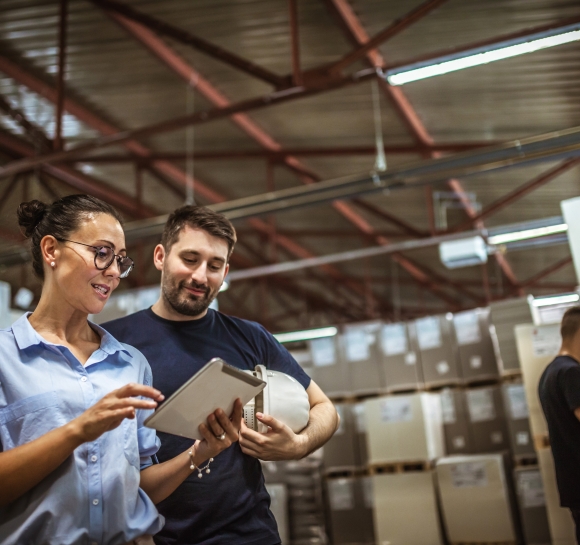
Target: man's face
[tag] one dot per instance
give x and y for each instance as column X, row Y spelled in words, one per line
column 193, row 271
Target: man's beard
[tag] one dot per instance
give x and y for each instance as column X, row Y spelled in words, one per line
column 184, row 302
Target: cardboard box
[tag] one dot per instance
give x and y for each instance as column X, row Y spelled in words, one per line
column 487, row 419
column 360, row 434
column 439, row 362
column 518, row 420
column 456, row 425
column 537, row 346
column 532, row 505
column 279, row 507
column 475, row 499
column 329, row 370
column 560, row 520
column 401, row 366
column 405, row 509
column 504, row 316
column 404, row 428
column 474, row 345
column 350, row 510
column 340, row 452
column 361, row 349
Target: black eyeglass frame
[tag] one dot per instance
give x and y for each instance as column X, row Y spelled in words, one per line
column 97, row 249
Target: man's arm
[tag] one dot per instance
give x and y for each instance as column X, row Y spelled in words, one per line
column 281, row 443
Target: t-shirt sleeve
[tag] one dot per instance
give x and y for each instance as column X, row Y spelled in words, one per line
column 279, row 359
column 147, row 438
column 571, row 386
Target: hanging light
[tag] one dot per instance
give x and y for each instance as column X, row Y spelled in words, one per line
column 483, row 55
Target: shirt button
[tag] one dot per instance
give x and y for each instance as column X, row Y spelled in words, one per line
column 83, row 379
column 95, row 502
column 93, row 458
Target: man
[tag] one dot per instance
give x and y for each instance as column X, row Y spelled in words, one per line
column 178, row 335
column 560, row 397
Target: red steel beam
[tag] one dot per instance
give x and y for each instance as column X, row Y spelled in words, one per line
column 530, row 282
column 519, row 192
column 63, row 14
column 189, row 39
column 295, row 42
column 165, row 167
column 252, row 129
column 278, row 156
column 383, row 214
column 80, row 181
column 392, row 30
column 408, row 114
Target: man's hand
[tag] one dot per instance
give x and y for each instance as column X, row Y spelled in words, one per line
column 280, row 443
column 219, row 425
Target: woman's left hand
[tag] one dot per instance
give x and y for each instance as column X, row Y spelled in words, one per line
column 219, row 433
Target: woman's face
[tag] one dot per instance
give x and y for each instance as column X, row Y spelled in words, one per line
column 82, row 285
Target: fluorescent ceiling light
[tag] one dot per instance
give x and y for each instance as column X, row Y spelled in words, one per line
column 294, row 336
column 483, row 55
column 556, row 300
column 504, row 238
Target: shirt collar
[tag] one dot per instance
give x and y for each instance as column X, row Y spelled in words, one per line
column 26, row 336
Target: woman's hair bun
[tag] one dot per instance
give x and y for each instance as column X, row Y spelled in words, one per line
column 30, row 214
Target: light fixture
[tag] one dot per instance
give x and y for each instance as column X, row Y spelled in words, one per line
column 556, row 300
column 537, row 232
column 483, row 55
column 307, row 335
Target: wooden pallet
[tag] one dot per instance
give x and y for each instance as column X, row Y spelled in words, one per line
column 438, row 386
column 344, row 472
column 482, row 381
column 483, row 543
column 400, row 467
column 512, row 378
column 526, row 461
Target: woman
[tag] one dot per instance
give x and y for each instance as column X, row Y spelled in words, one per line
column 75, row 458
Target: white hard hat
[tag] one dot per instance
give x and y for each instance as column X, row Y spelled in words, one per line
column 284, row 398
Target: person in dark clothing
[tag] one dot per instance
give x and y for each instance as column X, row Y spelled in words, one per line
column 178, row 335
column 559, row 391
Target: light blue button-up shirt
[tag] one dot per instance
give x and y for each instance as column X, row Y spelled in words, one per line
column 94, row 496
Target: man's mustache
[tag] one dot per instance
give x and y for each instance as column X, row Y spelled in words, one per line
column 196, row 286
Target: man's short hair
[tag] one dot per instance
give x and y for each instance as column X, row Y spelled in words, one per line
column 198, row 217
column 570, row 323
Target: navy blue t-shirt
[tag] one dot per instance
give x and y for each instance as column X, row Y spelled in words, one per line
column 559, row 391
column 231, row 504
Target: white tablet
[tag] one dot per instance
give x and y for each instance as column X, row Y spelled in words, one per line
column 215, row 386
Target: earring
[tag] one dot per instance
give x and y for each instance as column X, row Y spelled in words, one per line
column 52, row 263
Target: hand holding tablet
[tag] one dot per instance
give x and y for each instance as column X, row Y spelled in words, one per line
column 215, row 386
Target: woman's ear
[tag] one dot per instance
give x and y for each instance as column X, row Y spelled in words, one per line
column 50, row 251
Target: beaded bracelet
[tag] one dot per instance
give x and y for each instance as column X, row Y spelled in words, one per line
column 192, row 466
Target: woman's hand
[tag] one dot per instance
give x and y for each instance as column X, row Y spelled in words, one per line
column 218, row 425
column 111, row 410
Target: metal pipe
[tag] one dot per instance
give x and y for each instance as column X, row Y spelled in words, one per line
column 61, row 73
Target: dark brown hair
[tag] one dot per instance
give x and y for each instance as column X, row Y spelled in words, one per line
column 198, row 217
column 37, row 220
column 570, row 323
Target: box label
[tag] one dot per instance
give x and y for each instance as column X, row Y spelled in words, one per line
column 522, row 438
column 442, row 367
column 517, row 404
column 458, row 441
column 468, row 475
column 467, row 328
column 480, row 405
column 367, row 488
column 546, row 341
column 396, row 409
column 531, row 489
column 323, row 352
column 358, row 341
column 341, row 494
column 410, row 358
column 428, row 332
column 448, row 407
column 475, row 362
column 394, row 339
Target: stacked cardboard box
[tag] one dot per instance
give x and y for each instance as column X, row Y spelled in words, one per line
column 476, row 499
column 401, row 366
column 532, row 505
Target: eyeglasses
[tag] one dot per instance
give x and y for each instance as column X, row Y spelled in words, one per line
column 104, row 257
